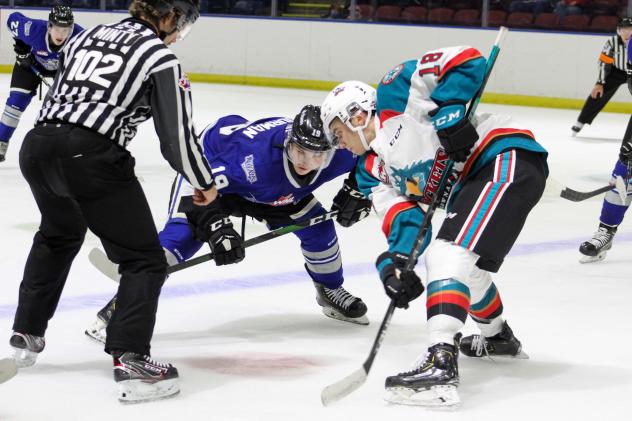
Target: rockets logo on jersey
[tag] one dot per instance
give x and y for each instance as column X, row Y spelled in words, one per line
column 411, row 179
column 392, row 75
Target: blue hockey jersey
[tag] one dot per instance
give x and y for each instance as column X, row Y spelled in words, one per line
column 34, row 32
column 247, row 159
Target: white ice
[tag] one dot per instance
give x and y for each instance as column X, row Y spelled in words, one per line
column 251, row 343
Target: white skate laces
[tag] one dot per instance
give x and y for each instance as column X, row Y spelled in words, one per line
column 601, row 237
column 478, row 345
column 340, row 296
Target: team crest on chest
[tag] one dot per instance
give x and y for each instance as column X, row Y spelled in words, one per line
column 392, row 75
column 411, row 179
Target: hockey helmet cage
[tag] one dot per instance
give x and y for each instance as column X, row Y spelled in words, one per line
column 307, row 134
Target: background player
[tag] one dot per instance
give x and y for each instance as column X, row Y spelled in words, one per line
column 37, row 47
column 405, row 134
column 612, row 210
column 268, row 169
column 613, row 72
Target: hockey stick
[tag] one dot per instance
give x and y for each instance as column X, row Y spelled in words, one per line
column 352, row 382
column 8, row 369
column 578, row 196
column 110, row 269
column 41, row 76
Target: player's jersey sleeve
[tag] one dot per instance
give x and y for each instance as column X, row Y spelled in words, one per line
column 415, row 87
column 459, row 73
column 401, row 217
column 20, row 27
column 76, row 30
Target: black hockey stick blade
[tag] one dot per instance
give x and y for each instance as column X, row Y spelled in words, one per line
column 577, row 196
column 344, row 387
column 8, row 369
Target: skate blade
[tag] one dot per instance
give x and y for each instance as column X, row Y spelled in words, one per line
column 138, row 391
column 96, row 332
column 335, row 314
column 444, row 396
column 24, row 358
column 8, row 369
column 593, row 259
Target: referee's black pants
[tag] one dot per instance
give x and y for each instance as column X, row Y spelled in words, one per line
column 593, row 106
column 81, row 180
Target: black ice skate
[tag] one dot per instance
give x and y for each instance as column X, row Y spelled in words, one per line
column 97, row 330
column 339, row 304
column 433, row 382
column 26, row 347
column 595, row 249
column 140, row 378
column 503, row 344
column 576, row 128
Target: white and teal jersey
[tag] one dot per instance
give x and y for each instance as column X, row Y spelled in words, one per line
column 407, row 161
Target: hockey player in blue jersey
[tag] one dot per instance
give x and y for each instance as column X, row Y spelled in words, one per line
column 405, row 133
column 37, row 47
column 268, row 169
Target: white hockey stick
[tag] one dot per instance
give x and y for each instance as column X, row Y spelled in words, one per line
column 104, row 265
column 8, row 369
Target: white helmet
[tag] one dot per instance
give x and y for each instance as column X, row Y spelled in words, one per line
column 345, row 101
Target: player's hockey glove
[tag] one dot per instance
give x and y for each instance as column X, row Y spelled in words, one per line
column 456, row 133
column 350, row 203
column 23, row 55
column 402, row 287
column 625, row 153
column 211, row 224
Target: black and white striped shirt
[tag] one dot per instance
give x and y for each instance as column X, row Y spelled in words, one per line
column 114, row 77
column 615, row 54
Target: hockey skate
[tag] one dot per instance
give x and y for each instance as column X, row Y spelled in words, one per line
column 339, row 304
column 595, row 249
column 26, row 347
column 576, row 128
column 142, row 379
column 96, row 331
column 432, row 383
column 503, row 344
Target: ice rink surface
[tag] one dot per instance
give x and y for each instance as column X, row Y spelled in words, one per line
column 250, row 342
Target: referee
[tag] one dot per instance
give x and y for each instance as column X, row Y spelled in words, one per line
column 613, row 72
column 111, row 78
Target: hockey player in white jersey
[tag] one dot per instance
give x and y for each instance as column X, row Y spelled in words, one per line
column 406, row 131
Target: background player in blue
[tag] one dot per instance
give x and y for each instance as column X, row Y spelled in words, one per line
column 37, row 46
column 268, row 169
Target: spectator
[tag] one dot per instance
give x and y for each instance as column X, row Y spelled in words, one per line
column 534, row 6
column 338, row 10
column 570, row 7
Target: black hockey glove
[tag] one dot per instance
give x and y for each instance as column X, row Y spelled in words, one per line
column 212, row 224
column 226, row 243
column 456, row 133
column 625, row 153
column 23, row 55
column 402, row 287
column 350, row 203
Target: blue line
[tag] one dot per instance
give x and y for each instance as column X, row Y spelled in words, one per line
column 215, row 286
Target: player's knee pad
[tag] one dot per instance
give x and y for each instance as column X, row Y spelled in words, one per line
column 446, row 260
column 478, row 282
